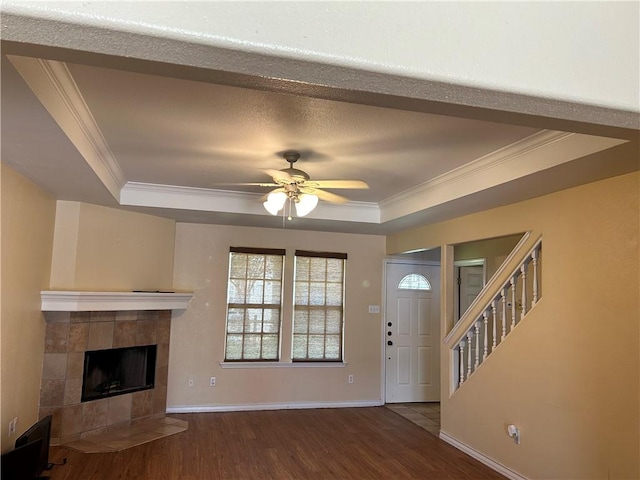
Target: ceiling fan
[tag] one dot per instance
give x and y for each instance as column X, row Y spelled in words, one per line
column 296, row 187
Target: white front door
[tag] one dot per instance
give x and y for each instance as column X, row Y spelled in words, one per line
column 412, row 333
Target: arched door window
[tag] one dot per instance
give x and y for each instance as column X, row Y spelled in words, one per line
column 414, row 281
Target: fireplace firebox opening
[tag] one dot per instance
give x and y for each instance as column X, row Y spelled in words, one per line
column 117, row 371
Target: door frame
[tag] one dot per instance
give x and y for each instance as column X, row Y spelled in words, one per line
column 473, row 262
column 383, row 323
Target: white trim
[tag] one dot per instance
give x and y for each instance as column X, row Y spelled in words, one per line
column 62, row 301
column 271, row 406
column 542, row 150
column 53, row 84
column 241, row 365
column 481, row 457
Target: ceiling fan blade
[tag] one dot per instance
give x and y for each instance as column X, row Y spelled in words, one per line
column 354, row 184
column 329, row 197
column 278, row 174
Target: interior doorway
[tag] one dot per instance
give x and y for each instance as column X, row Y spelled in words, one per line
column 471, row 276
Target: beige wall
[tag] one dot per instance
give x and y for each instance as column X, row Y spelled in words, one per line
column 569, row 375
column 197, row 336
column 28, row 216
column 493, row 250
column 101, row 248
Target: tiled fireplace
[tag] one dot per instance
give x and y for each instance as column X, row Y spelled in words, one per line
column 68, row 336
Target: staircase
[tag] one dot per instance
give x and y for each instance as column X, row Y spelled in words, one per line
column 499, row 308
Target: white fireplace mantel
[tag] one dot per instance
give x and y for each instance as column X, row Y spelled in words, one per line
column 64, row 301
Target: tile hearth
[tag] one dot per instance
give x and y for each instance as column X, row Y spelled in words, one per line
column 127, row 436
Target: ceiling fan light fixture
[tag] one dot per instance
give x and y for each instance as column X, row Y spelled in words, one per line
column 305, row 204
column 275, row 202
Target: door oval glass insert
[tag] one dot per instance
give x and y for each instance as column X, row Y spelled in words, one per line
column 414, row 281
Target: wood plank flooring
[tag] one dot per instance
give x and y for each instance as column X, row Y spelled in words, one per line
column 345, row 443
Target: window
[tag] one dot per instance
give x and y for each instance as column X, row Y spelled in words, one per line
column 318, row 306
column 414, row 281
column 254, row 304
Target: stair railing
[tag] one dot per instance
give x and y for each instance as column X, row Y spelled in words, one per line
column 497, row 310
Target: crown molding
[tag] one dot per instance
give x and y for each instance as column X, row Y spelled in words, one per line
column 52, row 83
column 212, row 200
column 540, row 151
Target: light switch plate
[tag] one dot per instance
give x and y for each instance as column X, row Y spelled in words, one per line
column 374, row 308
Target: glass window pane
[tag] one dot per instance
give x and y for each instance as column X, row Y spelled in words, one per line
column 318, row 269
column 316, row 293
column 299, row 346
column 273, row 267
column 316, row 347
column 255, row 291
column 414, row 281
column 234, row 347
column 251, row 347
column 316, row 321
column 334, row 321
column 255, row 266
column 271, row 321
column 237, row 289
column 269, row 347
column 334, row 270
column 332, row 347
column 302, row 293
column 238, row 267
column 235, row 320
column 272, row 292
column 253, row 321
column 301, row 321
column 334, row 294
column 302, row 268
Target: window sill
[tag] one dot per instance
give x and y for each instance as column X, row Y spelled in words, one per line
column 283, row 364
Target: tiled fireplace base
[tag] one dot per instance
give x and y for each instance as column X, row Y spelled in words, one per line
column 127, row 436
column 68, row 336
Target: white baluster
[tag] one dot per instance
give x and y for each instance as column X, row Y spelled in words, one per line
column 513, row 302
column 461, row 363
column 534, row 255
column 523, row 272
column 485, row 352
column 469, row 337
column 495, row 324
column 475, row 365
column 504, row 313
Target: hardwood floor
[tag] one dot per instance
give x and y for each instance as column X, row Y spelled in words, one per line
column 346, row 443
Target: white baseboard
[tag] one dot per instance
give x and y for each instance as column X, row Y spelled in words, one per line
column 270, row 406
column 481, row 457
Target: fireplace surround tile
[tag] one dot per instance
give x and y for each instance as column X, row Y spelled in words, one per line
column 56, row 338
column 54, row 366
column 51, row 393
column 100, row 335
column 75, row 364
column 68, row 336
column 94, row 414
column 124, row 334
column 78, row 337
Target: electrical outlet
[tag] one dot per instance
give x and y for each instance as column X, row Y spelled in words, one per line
column 190, row 383
column 212, row 382
column 350, row 379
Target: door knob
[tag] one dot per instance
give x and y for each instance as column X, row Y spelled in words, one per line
column 389, row 324
column 389, row 342
column 389, row 333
